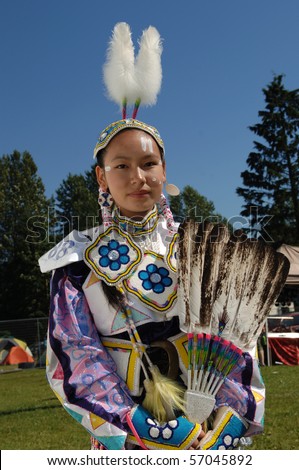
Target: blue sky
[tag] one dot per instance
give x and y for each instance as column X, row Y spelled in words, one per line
column 217, row 57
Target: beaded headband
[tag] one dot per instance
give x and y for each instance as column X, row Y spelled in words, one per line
column 115, row 127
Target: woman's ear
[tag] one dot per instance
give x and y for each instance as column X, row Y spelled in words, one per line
column 101, row 178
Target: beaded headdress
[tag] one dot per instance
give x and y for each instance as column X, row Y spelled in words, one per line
column 115, row 127
column 132, row 81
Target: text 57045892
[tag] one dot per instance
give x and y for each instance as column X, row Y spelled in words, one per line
column 219, row 459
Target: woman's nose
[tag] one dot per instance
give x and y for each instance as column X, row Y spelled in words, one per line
column 138, row 175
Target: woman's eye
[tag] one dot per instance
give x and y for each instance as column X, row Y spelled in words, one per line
column 149, row 164
column 121, row 166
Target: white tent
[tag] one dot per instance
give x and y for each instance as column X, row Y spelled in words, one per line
column 292, row 253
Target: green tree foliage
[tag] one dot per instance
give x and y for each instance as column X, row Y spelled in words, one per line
column 23, row 238
column 271, row 183
column 91, row 182
column 77, row 206
column 191, row 204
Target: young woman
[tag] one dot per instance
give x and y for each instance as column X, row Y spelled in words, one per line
column 113, row 304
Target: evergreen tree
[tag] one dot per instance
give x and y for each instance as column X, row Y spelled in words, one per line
column 91, row 181
column 23, row 238
column 77, row 206
column 271, row 184
column 191, row 204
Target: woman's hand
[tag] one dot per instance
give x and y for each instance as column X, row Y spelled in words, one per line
column 196, row 443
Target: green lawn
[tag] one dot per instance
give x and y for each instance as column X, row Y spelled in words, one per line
column 31, row 417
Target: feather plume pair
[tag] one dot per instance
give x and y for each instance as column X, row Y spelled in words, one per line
column 227, row 285
column 130, row 80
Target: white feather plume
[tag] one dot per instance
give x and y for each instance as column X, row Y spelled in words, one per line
column 129, row 79
column 119, row 69
column 148, row 66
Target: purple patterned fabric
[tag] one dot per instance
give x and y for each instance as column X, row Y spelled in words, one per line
column 90, row 378
column 235, row 393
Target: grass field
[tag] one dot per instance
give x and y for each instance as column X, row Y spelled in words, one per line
column 31, row 417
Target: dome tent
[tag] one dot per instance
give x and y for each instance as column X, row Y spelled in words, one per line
column 14, row 351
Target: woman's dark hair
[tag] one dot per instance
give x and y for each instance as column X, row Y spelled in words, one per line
column 100, row 157
column 114, row 297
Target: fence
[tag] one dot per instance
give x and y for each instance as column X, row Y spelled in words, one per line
column 31, row 330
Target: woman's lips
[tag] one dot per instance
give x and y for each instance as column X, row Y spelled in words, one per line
column 139, row 194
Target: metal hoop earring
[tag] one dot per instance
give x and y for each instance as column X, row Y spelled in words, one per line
column 171, row 189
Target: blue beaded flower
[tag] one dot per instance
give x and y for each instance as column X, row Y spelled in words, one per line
column 113, row 255
column 154, row 278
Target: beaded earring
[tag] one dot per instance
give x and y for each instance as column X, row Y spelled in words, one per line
column 106, row 202
column 105, row 199
column 166, row 211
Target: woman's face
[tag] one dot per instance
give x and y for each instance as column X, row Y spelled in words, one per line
column 133, row 172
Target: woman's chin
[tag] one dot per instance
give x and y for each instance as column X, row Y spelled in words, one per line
column 135, row 212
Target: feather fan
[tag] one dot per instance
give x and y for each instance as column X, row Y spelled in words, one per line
column 227, row 285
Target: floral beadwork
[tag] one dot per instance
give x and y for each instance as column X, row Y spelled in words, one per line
column 165, row 431
column 154, row 278
column 113, row 255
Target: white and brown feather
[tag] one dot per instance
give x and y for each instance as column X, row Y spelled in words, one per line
column 227, row 284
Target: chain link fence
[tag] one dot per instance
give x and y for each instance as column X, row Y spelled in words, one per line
column 31, row 330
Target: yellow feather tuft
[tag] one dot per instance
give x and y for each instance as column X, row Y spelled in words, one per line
column 163, row 396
